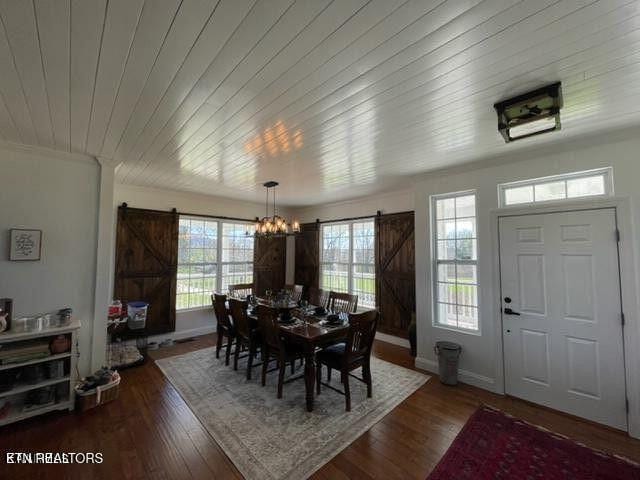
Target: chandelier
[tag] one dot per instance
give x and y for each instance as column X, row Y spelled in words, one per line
column 274, row 225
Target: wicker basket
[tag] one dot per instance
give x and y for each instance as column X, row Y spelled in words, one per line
column 99, row 395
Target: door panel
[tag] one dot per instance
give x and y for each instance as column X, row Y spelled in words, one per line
column 565, row 348
column 269, row 264
column 395, row 272
column 146, row 264
column 535, row 356
column 307, row 265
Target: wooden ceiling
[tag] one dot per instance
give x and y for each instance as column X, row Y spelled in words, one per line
column 334, row 99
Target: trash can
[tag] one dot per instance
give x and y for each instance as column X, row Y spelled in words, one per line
column 448, row 354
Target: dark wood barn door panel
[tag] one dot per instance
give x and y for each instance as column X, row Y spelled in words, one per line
column 307, row 267
column 395, row 272
column 146, row 264
column 269, row 264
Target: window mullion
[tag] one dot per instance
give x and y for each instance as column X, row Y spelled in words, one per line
column 219, row 257
column 350, row 265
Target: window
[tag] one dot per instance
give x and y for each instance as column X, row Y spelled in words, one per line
column 237, row 255
column 455, row 261
column 347, row 260
column 202, row 267
column 560, row 187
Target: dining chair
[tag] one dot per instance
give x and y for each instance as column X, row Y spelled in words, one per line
column 246, row 335
column 342, row 302
column 241, row 290
column 318, row 297
column 294, row 291
column 224, row 325
column 273, row 346
column 350, row 355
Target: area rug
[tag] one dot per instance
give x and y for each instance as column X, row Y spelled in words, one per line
column 494, row 445
column 270, row 438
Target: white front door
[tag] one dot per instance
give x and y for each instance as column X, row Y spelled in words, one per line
column 562, row 326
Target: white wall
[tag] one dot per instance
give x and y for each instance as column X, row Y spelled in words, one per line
column 59, row 196
column 388, row 202
column 481, row 362
column 193, row 322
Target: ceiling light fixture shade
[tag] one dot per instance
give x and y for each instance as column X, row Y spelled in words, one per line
column 530, row 114
column 273, row 225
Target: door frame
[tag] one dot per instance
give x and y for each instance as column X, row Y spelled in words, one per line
column 629, row 280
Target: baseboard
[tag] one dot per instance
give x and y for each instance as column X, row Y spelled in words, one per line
column 464, row 376
column 385, row 337
column 181, row 334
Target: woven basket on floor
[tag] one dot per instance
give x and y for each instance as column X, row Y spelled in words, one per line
column 99, row 395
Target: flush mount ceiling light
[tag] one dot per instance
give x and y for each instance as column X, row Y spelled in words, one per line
column 530, row 114
column 274, row 225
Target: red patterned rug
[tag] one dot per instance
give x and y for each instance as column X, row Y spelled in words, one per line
column 494, row 445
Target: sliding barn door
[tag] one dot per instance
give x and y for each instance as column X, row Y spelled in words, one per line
column 395, row 272
column 146, row 264
column 269, row 264
column 307, row 268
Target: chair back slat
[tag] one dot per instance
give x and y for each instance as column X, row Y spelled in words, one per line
column 294, row 291
column 268, row 325
column 241, row 290
column 318, row 297
column 239, row 314
column 362, row 332
column 220, row 308
column 342, row 302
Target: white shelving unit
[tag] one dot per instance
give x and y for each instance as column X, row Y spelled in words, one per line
column 17, row 412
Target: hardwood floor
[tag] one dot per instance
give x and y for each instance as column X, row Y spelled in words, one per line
column 149, row 432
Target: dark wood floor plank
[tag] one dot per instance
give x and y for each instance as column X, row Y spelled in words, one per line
column 150, row 432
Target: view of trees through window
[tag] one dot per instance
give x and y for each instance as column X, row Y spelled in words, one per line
column 208, row 261
column 348, row 259
column 455, row 267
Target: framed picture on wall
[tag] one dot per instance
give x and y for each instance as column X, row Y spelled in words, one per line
column 24, row 245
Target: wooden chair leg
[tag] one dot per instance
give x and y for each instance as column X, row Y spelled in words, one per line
column 283, row 365
column 265, row 363
column 366, row 370
column 293, row 366
column 328, row 374
column 236, row 355
column 228, row 352
column 347, row 391
column 318, row 377
column 219, row 342
column 250, row 359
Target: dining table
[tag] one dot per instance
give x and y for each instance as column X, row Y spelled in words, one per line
column 309, row 331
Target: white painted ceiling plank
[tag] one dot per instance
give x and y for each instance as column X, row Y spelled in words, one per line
column 187, row 27
column 226, row 18
column 371, row 14
column 19, row 21
column 332, row 62
column 13, row 94
column 392, row 68
column 119, row 30
column 320, row 29
column 263, row 15
column 53, row 22
column 349, row 89
column 154, row 24
column 7, row 127
column 282, row 34
column 87, row 22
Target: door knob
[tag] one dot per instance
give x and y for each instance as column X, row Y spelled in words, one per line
column 508, row 311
